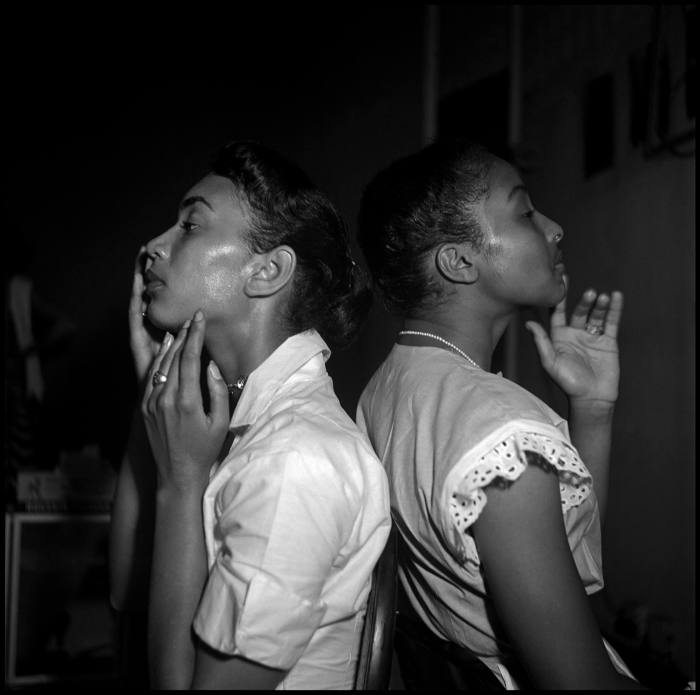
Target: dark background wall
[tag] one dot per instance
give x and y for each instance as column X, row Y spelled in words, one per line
column 107, row 131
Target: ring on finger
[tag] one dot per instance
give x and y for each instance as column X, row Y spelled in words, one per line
column 159, row 378
column 594, row 329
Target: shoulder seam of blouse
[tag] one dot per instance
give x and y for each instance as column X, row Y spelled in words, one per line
column 502, row 463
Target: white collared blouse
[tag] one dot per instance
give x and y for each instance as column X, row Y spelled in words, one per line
column 295, row 518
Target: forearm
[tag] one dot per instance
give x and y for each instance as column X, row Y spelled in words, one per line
column 178, row 576
column 591, row 433
column 131, row 524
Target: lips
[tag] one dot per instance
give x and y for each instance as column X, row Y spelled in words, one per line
column 152, row 280
column 559, row 258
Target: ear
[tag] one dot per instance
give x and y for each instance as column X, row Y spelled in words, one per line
column 456, row 261
column 270, row 272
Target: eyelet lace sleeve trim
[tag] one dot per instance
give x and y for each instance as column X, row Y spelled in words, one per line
column 505, row 462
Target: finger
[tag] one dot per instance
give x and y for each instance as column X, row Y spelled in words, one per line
column 168, row 366
column 558, row 318
column 155, row 366
column 170, row 389
column 166, row 393
column 218, row 396
column 542, row 343
column 579, row 317
column 136, row 303
column 612, row 320
column 599, row 311
column 164, row 360
column 191, row 361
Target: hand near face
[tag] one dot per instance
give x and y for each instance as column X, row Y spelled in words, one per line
column 582, row 356
column 185, row 440
column 143, row 346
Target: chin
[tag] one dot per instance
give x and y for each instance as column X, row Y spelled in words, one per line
column 551, row 297
column 555, row 298
column 163, row 320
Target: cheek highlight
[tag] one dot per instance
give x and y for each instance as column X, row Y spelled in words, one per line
column 223, row 283
column 222, row 266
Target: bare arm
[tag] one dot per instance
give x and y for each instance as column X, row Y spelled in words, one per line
column 591, row 434
column 178, row 577
column 536, row 590
column 215, row 671
column 131, row 524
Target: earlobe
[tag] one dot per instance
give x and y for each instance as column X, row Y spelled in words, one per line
column 270, row 272
column 455, row 262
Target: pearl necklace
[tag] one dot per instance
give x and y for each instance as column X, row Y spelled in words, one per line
column 442, row 340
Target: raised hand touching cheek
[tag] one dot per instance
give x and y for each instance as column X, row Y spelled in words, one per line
column 185, row 439
column 582, row 356
column 144, row 346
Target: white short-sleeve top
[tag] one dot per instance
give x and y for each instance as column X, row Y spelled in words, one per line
column 446, row 430
column 295, row 518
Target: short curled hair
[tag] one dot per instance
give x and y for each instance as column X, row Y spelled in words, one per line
column 330, row 293
column 410, row 208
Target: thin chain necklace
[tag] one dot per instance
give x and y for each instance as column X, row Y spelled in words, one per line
column 236, row 388
column 442, row 340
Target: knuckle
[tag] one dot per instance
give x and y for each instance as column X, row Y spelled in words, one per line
column 185, row 404
column 190, row 353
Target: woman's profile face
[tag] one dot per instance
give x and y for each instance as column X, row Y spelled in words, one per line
column 198, row 262
column 522, row 264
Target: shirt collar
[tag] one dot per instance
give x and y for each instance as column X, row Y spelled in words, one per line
column 265, row 380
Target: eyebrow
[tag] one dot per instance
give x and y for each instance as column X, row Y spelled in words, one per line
column 520, row 188
column 192, row 200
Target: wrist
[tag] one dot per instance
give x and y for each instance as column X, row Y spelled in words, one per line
column 592, row 409
column 179, row 492
column 189, row 480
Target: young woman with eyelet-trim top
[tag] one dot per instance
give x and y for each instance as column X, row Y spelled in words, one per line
column 497, row 506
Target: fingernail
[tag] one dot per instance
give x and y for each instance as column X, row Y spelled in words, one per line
column 198, row 315
column 215, row 371
column 186, row 325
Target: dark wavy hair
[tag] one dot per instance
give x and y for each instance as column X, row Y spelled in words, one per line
column 411, row 207
column 330, row 292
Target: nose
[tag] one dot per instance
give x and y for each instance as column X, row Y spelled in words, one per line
column 157, row 248
column 552, row 229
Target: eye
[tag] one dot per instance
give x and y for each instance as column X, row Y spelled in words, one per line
column 529, row 214
column 188, row 226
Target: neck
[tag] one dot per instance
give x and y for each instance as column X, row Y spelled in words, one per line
column 238, row 352
column 473, row 332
